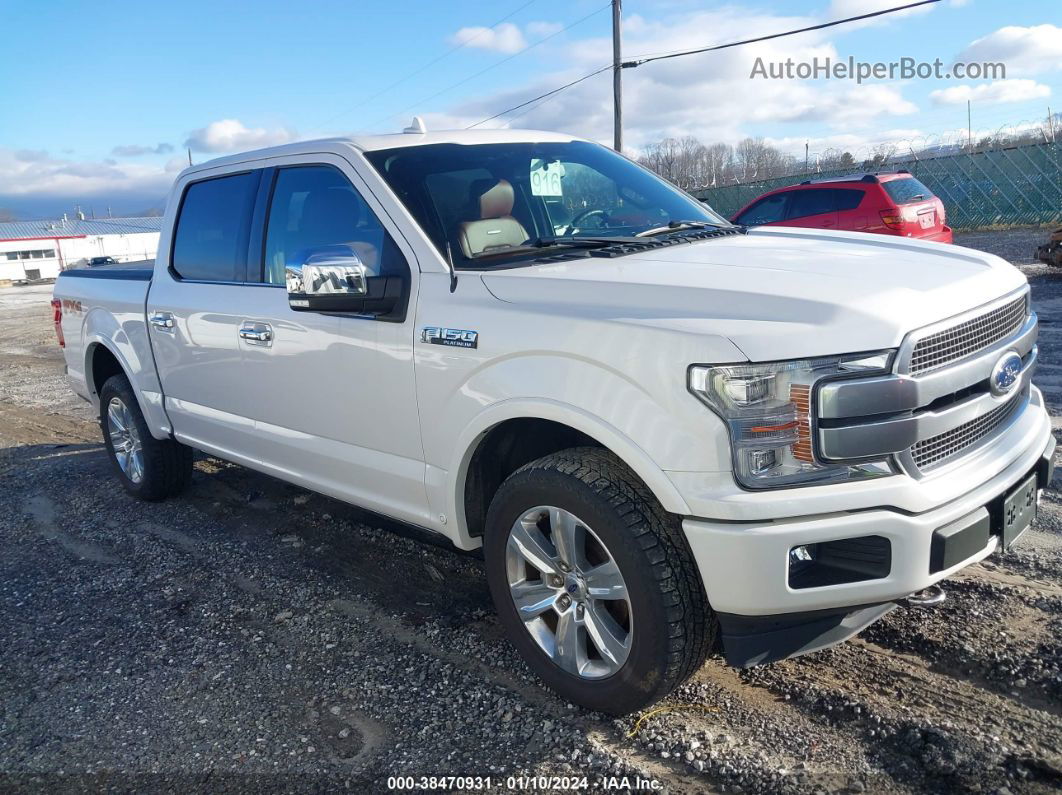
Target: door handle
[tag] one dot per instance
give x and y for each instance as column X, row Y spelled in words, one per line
column 163, row 321
column 257, row 333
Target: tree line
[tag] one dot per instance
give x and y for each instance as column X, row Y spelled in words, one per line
column 690, row 164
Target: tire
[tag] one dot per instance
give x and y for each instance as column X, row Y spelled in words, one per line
column 165, row 465
column 666, row 625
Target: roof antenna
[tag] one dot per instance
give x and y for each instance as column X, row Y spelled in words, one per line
column 453, row 270
column 417, row 127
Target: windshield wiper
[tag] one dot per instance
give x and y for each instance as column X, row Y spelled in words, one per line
column 538, row 243
column 577, row 242
column 674, row 225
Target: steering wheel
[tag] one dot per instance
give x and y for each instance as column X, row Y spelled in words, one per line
column 576, row 222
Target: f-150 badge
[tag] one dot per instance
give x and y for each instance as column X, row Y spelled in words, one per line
column 454, row 337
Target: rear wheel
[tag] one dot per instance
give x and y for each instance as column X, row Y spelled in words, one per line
column 594, row 581
column 149, row 468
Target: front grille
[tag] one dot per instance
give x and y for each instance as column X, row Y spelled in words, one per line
column 944, row 347
column 940, row 449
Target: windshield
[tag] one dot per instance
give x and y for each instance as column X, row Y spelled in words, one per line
column 500, row 204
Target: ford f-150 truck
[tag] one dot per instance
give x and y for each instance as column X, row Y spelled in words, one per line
column 669, row 434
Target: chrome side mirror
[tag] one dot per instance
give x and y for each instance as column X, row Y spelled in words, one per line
column 327, row 280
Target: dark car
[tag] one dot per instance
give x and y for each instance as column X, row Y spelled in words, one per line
column 97, row 261
column 893, row 203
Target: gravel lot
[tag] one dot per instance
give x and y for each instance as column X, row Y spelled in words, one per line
column 252, row 635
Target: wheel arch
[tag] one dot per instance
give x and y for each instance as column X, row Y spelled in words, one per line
column 100, row 364
column 104, row 359
column 554, row 426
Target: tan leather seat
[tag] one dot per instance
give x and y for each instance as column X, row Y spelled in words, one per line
column 496, row 228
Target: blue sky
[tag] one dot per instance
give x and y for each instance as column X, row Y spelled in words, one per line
column 101, row 101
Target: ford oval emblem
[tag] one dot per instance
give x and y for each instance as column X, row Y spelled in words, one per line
column 1005, row 374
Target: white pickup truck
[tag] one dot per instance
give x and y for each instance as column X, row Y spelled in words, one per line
column 671, row 435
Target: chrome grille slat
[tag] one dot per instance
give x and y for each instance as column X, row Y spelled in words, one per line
column 944, row 347
column 940, row 449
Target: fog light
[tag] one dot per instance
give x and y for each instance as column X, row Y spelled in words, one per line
column 840, row 561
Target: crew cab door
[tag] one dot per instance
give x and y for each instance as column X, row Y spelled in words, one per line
column 323, row 400
column 332, row 395
column 812, row 207
column 196, row 300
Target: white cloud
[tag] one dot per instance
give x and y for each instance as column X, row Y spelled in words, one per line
column 709, row 96
column 862, row 146
column 1029, row 50
column 43, row 175
column 135, row 150
column 1016, row 90
column 505, row 38
column 230, row 135
column 842, row 9
column 542, row 29
column 30, row 155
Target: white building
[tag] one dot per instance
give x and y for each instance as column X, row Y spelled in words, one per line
column 40, row 249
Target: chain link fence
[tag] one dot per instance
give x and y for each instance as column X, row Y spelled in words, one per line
column 1008, row 186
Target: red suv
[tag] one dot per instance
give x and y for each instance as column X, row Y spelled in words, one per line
column 886, row 203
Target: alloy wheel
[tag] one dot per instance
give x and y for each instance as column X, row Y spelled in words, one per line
column 569, row 592
column 125, row 439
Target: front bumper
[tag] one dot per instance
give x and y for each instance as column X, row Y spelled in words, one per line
column 745, row 565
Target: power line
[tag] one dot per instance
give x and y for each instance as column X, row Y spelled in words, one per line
column 541, row 96
column 634, row 63
column 429, row 64
column 526, row 49
column 821, row 26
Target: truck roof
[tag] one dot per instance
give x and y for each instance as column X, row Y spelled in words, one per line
column 369, row 143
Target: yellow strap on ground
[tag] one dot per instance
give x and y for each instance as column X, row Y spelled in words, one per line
column 670, row 708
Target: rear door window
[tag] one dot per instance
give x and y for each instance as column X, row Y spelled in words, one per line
column 907, row 190
column 210, row 243
column 766, row 211
column 814, row 201
column 847, row 198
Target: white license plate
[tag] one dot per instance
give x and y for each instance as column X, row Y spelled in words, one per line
column 927, row 220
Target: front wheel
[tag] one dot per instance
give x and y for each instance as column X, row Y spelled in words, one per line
column 149, row 468
column 594, row 582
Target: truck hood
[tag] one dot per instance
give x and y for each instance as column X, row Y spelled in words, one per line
column 776, row 292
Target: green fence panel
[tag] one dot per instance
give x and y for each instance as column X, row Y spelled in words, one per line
column 1005, row 187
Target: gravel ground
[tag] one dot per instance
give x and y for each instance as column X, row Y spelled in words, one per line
column 254, row 636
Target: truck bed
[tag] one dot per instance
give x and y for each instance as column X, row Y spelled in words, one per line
column 139, row 270
column 105, row 305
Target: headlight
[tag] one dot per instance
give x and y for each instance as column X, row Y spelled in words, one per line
column 769, row 410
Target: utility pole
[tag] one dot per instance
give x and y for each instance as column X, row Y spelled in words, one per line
column 806, row 145
column 969, row 127
column 617, row 81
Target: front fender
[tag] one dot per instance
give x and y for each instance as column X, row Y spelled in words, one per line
column 581, row 420
column 565, row 414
